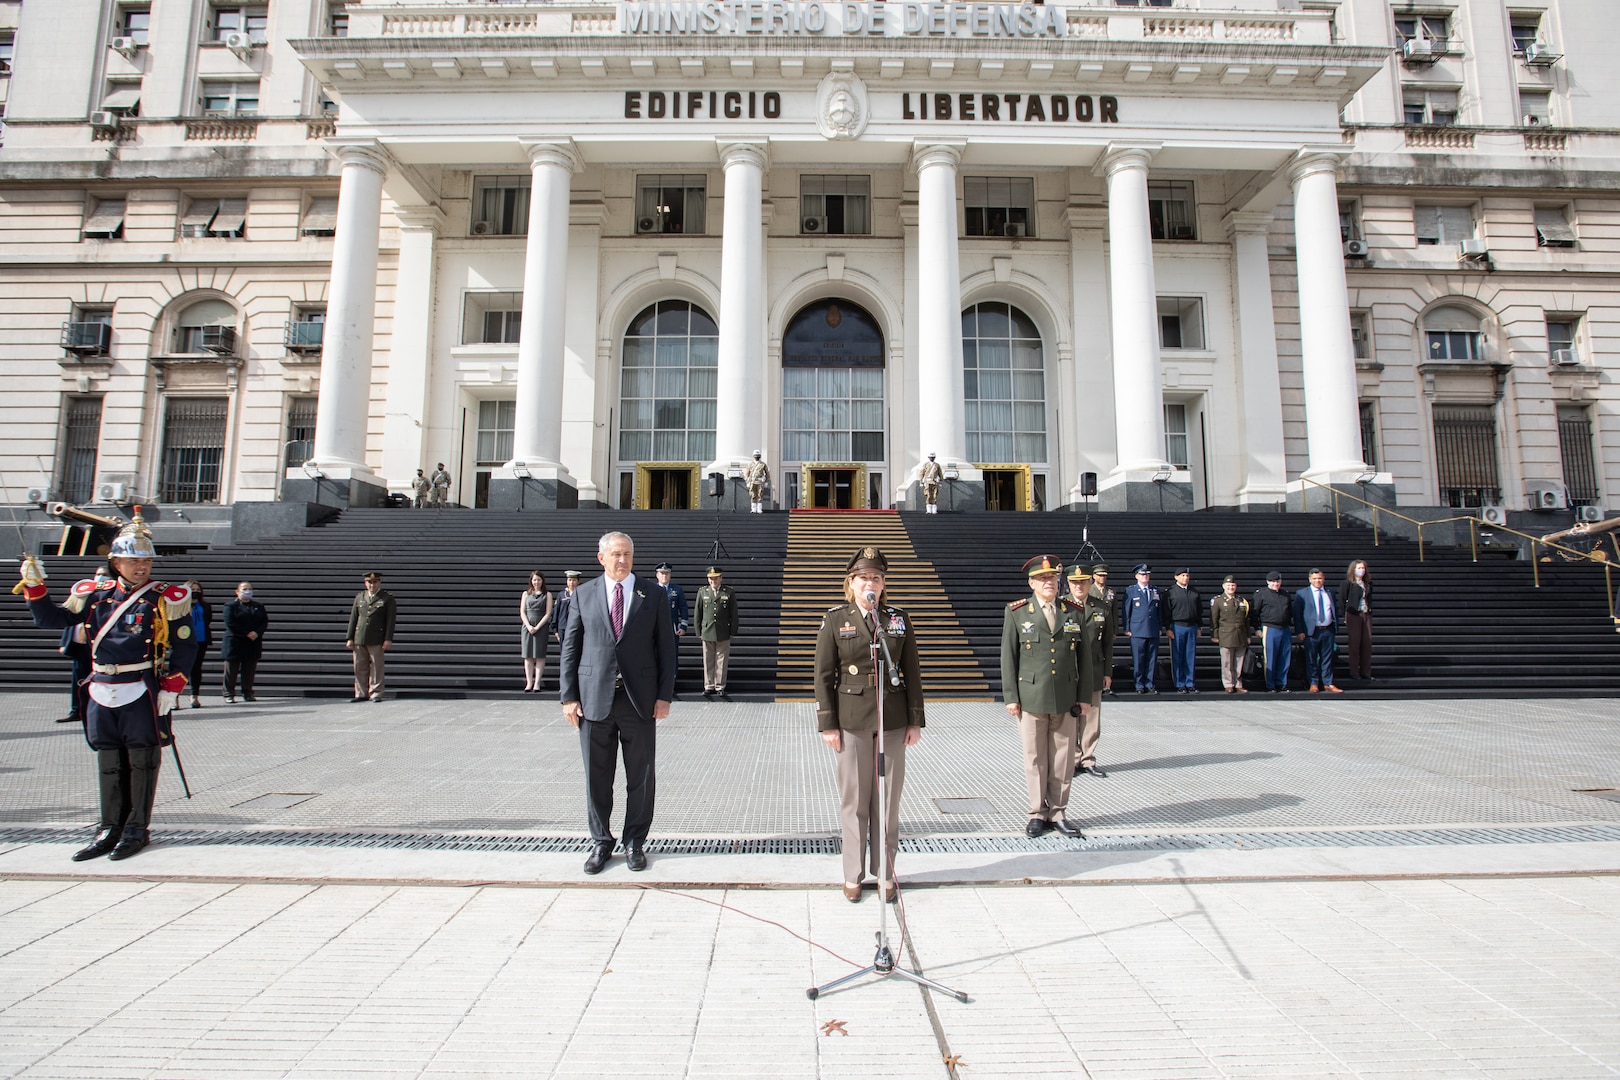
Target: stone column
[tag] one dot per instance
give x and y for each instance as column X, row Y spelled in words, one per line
column 1089, row 433
column 1258, row 424
column 942, row 423
column 1333, row 424
column 537, row 434
column 409, row 413
column 338, row 472
column 741, row 353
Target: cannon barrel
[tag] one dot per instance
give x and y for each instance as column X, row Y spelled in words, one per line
column 84, row 517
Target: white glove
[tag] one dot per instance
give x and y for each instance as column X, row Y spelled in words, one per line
column 167, row 702
column 32, row 572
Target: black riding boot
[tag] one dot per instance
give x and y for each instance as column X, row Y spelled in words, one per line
column 143, row 778
column 112, row 776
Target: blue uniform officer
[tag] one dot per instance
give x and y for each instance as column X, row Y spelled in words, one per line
column 679, row 613
column 1143, row 624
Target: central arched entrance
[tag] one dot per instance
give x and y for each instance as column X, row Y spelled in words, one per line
column 833, row 408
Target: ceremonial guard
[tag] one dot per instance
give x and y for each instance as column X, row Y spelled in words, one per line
column 1040, row 682
column 679, row 613
column 419, row 490
column 141, row 642
column 441, row 486
column 758, row 475
column 1091, row 598
column 716, row 625
column 930, row 476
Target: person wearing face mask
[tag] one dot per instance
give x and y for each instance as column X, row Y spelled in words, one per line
column 245, row 623
column 1355, row 600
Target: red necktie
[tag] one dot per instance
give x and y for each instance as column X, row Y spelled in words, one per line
column 618, row 609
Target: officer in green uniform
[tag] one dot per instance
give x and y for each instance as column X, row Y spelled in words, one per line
column 847, row 711
column 1040, row 682
column 1092, row 599
column 716, row 624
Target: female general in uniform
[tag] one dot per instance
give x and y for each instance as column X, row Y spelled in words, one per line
column 847, row 712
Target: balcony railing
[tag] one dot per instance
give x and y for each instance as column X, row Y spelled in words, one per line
column 303, row 336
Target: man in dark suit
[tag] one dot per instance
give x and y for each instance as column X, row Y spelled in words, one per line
column 1316, row 620
column 1144, row 623
column 618, row 678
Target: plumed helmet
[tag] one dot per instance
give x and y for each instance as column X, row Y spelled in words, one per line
column 134, row 541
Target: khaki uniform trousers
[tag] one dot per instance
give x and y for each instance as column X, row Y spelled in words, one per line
column 1232, row 666
column 1048, row 752
column 1090, row 728
column 716, row 659
column 858, row 798
column 368, row 671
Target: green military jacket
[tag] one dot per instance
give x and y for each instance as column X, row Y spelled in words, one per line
column 371, row 619
column 846, row 689
column 1039, row 667
column 1099, row 625
column 1229, row 621
column 716, row 617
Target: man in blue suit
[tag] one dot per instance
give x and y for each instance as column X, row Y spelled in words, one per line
column 1315, row 622
column 618, row 678
column 1143, row 624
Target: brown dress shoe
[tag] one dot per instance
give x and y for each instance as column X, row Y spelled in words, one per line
column 890, row 891
column 852, row 893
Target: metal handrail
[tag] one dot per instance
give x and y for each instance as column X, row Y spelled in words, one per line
column 1377, row 510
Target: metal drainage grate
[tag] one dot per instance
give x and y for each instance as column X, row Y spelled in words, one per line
column 965, row 806
column 826, row 845
column 276, row 800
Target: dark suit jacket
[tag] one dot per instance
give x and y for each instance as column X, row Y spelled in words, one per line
column 644, row 656
column 1305, row 610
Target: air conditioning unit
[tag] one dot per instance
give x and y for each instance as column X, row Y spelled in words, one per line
column 1014, row 228
column 39, row 493
column 1355, row 249
column 1419, row 50
column 1548, row 497
column 92, row 338
column 1531, row 120
column 1565, row 357
column 1493, row 515
column 482, row 228
column 219, row 339
column 1473, row 249
column 814, row 225
column 104, row 118
column 1589, row 515
column 1540, row 54
column 125, row 45
column 239, row 43
column 110, row 493
column 650, row 223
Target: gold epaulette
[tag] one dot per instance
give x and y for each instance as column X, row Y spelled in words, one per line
column 1016, row 604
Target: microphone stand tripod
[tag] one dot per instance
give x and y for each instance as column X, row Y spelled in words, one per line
column 1086, row 546
column 883, row 964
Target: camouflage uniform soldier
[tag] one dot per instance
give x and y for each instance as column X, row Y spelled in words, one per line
column 930, row 476
column 758, row 475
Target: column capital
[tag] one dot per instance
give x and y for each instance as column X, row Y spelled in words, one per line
column 366, row 153
column 757, row 154
column 925, row 155
column 428, row 219
column 1118, row 156
column 558, row 152
column 1313, row 161
column 1248, row 222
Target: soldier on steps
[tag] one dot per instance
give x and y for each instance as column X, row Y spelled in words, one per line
column 716, row 625
column 930, row 475
column 758, row 476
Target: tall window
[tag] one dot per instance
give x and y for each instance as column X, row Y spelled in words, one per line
column 1465, row 455
column 497, row 420
column 79, row 446
column 1442, row 224
column 1349, row 223
column 135, row 22
column 300, row 441
column 832, row 414
column 835, row 204
column 999, row 205
column 1171, row 210
column 500, row 206
column 667, row 384
column 8, row 42
column 1575, row 448
column 671, row 204
column 1361, row 335
column 1452, row 333
column 193, row 449
column 1369, row 434
column 1004, row 385
column 337, row 20
column 1561, row 341
column 1175, row 434
column 1526, row 28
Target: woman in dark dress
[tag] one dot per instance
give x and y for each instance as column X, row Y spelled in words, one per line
column 534, row 608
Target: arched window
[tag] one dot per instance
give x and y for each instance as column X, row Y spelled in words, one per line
column 1004, row 385
column 832, row 385
column 197, row 327
column 1452, row 333
column 667, row 384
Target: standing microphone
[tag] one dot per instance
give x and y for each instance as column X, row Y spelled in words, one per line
column 871, row 598
column 894, row 672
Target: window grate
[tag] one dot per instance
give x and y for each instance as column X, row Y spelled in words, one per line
column 1575, row 447
column 193, row 449
column 300, row 431
column 1465, row 454
column 83, row 436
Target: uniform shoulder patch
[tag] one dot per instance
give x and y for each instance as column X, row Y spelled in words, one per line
column 85, row 587
column 1016, row 604
column 176, row 594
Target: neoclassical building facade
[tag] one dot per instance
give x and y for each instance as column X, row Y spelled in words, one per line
column 1191, row 255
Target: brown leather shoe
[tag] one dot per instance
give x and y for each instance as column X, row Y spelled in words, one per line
column 890, row 891
column 1333, row 690
column 852, row 893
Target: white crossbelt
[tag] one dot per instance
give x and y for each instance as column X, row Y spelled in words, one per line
column 119, row 669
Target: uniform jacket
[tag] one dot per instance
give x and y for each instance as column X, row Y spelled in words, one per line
column 1098, row 628
column 137, row 637
column 1229, row 622
column 243, row 617
column 846, row 687
column 1305, row 610
column 679, row 614
column 1351, row 596
column 441, row 478
column 1185, row 606
column 758, row 473
column 643, row 657
column 1144, row 611
column 371, row 619
column 1040, row 667
column 1271, row 608
column 931, row 473
column 716, row 613
column 559, row 612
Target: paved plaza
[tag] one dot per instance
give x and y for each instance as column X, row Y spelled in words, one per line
column 1268, row 888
